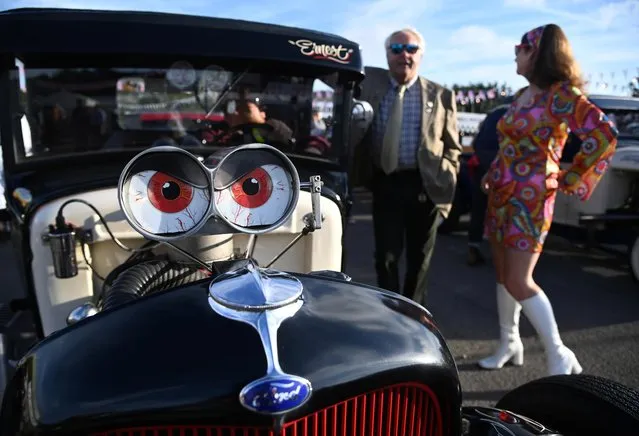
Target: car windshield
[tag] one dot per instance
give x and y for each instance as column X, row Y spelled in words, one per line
column 79, row 110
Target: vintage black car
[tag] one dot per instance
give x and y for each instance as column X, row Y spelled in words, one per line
column 182, row 256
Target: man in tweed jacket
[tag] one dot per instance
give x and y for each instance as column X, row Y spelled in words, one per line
column 417, row 187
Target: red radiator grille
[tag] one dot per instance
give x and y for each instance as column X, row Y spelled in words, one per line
column 406, row 409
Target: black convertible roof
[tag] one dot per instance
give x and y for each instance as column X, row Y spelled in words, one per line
column 69, row 31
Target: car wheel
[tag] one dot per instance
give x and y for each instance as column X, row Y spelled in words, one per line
column 633, row 258
column 576, row 404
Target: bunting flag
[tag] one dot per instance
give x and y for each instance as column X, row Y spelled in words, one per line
column 619, row 83
column 616, row 82
column 477, row 95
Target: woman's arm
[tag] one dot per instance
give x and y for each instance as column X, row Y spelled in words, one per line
column 599, row 135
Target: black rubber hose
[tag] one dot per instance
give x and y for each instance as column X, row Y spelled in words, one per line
column 148, row 277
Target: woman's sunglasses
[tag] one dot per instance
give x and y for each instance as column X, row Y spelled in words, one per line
column 519, row 47
column 409, row 48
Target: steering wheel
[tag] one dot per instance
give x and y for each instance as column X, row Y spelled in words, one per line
column 246, row 133
column 211, row 131
column 314, row 144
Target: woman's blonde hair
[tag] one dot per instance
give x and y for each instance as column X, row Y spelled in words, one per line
column 554, row 61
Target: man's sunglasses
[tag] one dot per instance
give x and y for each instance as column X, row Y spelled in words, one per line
column 409, row 48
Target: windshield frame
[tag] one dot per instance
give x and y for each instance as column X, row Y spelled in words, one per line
column 11, row 133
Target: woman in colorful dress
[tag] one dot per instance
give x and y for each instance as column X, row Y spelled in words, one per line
column 523, row 181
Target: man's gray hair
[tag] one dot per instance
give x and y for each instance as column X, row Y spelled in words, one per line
column 411, row 30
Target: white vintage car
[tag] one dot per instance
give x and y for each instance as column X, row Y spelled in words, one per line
column 612, row 213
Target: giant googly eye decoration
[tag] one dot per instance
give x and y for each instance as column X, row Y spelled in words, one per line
column 166, row 193
column 255, row 188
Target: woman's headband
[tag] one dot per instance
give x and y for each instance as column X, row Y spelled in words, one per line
column 534, row 36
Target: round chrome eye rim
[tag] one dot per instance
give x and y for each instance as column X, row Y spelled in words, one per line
column 288, row 166
column 125, row 179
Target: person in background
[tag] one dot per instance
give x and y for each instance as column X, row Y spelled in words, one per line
column 523, row 181
column 410, row 160
column 485, row 146
column 254, row 112
column 318, row 126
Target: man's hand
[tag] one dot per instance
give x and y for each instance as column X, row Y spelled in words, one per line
column 552, row 183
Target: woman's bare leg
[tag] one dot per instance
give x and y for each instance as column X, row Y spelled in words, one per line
column 518, row 273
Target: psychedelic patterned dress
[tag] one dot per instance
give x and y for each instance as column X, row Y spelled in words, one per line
column 531, row 139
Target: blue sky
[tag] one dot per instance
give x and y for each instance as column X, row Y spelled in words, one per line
column 466, row 40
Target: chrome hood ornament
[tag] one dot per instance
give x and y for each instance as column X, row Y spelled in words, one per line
column 263, row 298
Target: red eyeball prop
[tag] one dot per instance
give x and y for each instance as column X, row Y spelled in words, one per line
column 253, row 190
column 160, row 203
column 168, row 194
column 259, row 198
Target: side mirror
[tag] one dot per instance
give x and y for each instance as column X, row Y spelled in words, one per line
column 361, row 120
column 362, row 112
